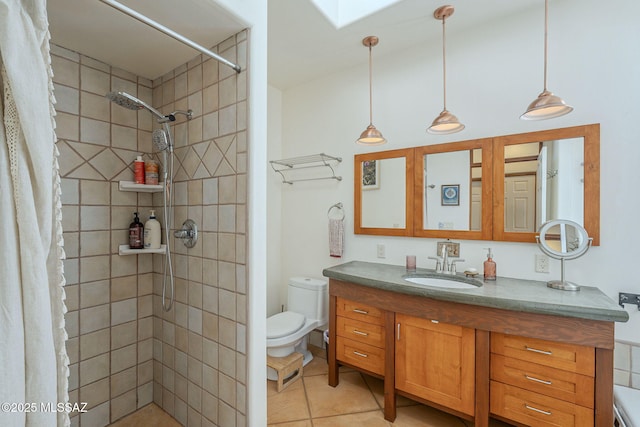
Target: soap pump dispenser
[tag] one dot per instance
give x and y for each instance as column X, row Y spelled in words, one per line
column 489, row 266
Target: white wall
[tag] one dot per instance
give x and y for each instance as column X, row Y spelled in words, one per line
column 492, row 77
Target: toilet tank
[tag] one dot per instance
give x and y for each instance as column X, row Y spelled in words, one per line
column 308, row 296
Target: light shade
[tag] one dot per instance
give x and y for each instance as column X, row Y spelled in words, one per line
column 371, row 136
column 445, row 123
column 546, row 106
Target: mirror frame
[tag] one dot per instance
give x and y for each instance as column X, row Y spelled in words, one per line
column 418, row 196
column 591, row 135
column 407, row 231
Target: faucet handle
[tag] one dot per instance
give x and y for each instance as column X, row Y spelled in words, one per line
column 453, row 264
column 438, row 260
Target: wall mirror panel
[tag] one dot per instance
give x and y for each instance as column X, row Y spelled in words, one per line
column 452, row 197
column 383, row 193
column 544, row 176
column 500, row 188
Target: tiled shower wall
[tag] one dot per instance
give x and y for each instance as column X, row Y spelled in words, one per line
column 109, row 297
column 124, row 350
column 627, row 364
column 199, row 346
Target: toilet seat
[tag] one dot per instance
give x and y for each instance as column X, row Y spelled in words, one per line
column 283, row 324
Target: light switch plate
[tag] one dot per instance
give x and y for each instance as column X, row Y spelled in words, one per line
column 453, row 249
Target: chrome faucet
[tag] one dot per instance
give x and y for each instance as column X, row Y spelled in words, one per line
column 445, row 257
column 442, row 262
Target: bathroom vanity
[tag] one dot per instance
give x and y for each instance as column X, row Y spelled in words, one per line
column 511, row 349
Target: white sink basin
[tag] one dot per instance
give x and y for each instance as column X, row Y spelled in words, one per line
column 442, row 282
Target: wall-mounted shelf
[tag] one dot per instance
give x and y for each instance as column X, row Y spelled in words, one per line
column 140, row 188
column 125, row 250
column 305, row 162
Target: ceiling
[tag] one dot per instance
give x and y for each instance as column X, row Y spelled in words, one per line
column 101, row 32
column 302, row 43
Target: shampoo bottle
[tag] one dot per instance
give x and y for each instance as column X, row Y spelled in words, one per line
column 489, row 267
column 138, row 170
column 136, row 233
column 152, row 232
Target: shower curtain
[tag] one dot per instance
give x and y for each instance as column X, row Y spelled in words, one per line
column 33, row 359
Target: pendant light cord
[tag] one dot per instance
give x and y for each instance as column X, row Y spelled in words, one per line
column 444, row 64
column 370, row 89
column 546, row 25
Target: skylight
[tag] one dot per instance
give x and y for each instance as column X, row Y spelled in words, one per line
column 344, row 12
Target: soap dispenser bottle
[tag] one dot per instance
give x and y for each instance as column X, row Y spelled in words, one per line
column 489, row 267
column 136, row 233
column 152, row 232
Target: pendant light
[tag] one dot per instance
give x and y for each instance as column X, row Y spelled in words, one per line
column 446, row 122
column 371, row 135
column 546, row 105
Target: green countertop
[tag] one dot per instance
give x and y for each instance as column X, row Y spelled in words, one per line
column 505, row 293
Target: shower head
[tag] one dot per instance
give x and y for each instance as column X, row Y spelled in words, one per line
column 125, row 100
column 160, row 140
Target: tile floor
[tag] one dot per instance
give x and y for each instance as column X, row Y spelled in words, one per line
column 357, row 401
column 150, row 415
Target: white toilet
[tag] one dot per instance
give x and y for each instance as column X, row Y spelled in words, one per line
column 307, row 309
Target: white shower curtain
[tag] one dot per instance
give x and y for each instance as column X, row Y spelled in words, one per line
column 33, row 359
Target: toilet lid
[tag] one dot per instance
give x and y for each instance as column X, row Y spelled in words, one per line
column 283, row 324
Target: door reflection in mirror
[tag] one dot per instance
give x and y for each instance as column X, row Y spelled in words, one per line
column 543, row 181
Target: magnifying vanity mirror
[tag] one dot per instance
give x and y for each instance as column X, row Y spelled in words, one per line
column 563, row 239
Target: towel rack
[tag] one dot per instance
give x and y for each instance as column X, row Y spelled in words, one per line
column 336, row 206
column 304, row 162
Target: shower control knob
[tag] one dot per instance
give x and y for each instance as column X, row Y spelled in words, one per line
column 188, row 233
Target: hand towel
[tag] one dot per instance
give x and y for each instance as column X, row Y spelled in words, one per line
column 336, row 237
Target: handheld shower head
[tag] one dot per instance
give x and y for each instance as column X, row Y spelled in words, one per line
column 125, row 100
column 160, row 140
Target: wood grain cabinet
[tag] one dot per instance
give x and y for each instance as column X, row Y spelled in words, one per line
column 542, row 383
column 360, row 335
column 435, row 361
column 476, row 362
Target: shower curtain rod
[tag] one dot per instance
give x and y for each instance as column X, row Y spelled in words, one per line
column 150, row 22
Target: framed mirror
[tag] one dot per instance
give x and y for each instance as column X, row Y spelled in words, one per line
column 543, row 176
column 452, row 197
column 383, row 193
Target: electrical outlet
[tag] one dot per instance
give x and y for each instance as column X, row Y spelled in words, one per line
column 542, row 263
column 381, row 251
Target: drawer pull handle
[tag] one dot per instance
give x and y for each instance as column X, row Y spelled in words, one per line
column 357, row 353
column 535, row 350
column 357, row 310
column 537, row 380
column 531, row 408
column 357, row 332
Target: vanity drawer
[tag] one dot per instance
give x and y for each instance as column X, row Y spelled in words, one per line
column 361, row 312
column 360, row 355
column 568, row 357
column 534, row 409
column 360, row 331
column 565, row 385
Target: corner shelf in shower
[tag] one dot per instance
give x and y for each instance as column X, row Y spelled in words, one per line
column 140, row 188
column 304, row 162
column 125, row 250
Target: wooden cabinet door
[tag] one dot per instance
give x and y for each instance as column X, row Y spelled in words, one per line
column 436, row 361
